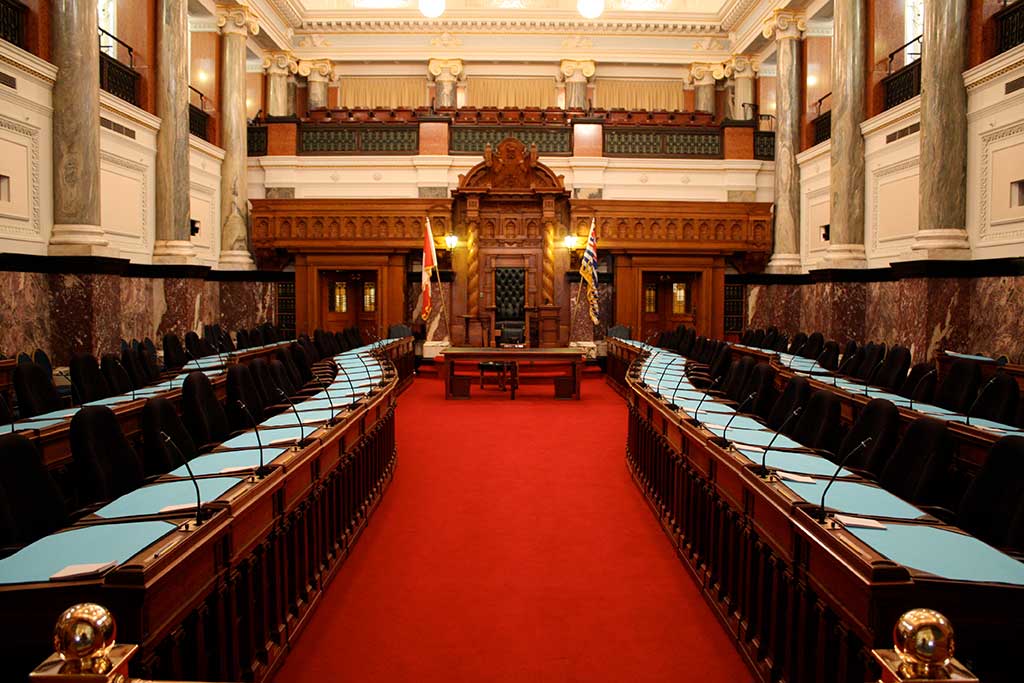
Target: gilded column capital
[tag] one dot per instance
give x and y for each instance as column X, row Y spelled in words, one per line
column 237, row 20
column 706, row 74
column 741, row 66
column 320, row 70
column 280, row 63
column 577, row 69
column 784, row 25
column 444, row 69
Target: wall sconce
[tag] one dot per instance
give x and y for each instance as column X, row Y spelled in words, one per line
column 451, row 241
column 570, row 242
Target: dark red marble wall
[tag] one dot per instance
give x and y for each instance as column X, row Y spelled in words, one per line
column 979, row 315
column 65, row 313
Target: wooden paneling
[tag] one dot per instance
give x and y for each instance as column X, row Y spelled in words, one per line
column 885, row 34
column 817, row 65
column 982, row 34
column 136, row 25
column 282, row 139
column 434, row 138
column 205, row 77
column 37, row 27
column 739, row 142
column 766, row 95
column 254, row 95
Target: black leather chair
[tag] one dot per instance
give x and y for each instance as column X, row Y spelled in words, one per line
column 354, row 336
column 114, row 372
column 282, row 380
column 106, row 466
column 242, row 339
column 814, row 346
column 311, row 351
column 872, row 361
column 87, row 382
column 263, row 380
column 893, row 370
column 202, row 413
column 794, row 396
column 992, row 507
column 920, row 383
column 303, row 363
column 326, row 344
column 797, row 344
column 959, row 387
column 618, row 331
column 852, row 356
column 781, row 343
column 341, row 342
column 829, row 356
column 686, row 342
column 269, row 333
column 256, row 337
column 917, row 470
column 714, row 375
column 771, row 335
column 131, row 362
column 193, row 345
column 159, row 457
column 880, row 420
column 819, row 424
column 244, row 400
column 284, row 355
column 24, row 358
column 174, row 354
column 737, row 377
column 998, row 399
column 32, row 498
column 40, row 358
column 761, row 383
column 757, row 339
column 35, row 391
column 399, row 331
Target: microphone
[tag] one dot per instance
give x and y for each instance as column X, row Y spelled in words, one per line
column 682, row 378
column 739, row 410
column 856, row 449
column 326, row 387
column 295, row 410
column 696, row 420
column 662, row 376
column 131, row 387
column 348, row 380
column 918, row 385
column 978, row 397
column 763, row 471
column 7, row 407
column 793, row 353
column 262, row 470
column 74, row 387
column 872, row 374
column 201, row 514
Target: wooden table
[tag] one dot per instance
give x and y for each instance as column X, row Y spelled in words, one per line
column 566, row 385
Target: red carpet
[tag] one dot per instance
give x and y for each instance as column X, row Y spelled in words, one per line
column 512, row 546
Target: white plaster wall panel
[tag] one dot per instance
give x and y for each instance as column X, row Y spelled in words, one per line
column 26, row 141
column 815, row 207
column 204, row 198
column 995, row 156
column 128, row 178
column 895, row 215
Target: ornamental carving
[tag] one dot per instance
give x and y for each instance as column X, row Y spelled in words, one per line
column 741, row 66
column 784, row 25
column 235, row 19
column 319, row 70
column 280, row 63
column 577, row 70
column 511, row 168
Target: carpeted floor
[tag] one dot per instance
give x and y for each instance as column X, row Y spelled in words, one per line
column 512, row 546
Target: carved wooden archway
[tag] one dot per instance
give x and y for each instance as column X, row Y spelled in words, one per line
column 511, row 208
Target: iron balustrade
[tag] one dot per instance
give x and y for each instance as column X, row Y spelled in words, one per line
column 1010, row 21
column 256, row 141
column 198, row 119
column 904, row 83
column 472, row 139
column 663, row 142
column 822, row 121
column 13, row 16
column 764, row 145
column 358, row 139
column 117, row 78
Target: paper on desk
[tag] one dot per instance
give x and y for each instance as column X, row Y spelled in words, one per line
column 792, row 476
column 862, row 522
column 75, row 571
column 239, row 468
column 178, row 508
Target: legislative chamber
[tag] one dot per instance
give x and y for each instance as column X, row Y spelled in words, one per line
column 507, row 340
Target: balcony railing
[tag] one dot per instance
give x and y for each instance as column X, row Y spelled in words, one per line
column 256, row 140
column 472, row 139
column 319, row 138
column 1010, row 20
column 822, row 121
column 117, row 78
column 663, row 142
column 198, row 119
column 903, row 83
column 764, row 145
column 13, row 15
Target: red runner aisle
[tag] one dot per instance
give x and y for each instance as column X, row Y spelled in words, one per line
column 512, row 546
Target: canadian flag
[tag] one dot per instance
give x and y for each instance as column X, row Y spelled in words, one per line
column 429, row 264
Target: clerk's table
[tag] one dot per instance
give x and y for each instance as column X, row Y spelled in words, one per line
column 568, row 360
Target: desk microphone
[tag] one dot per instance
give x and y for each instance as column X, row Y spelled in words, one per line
column 696, row 413
column 682, row 379
column 871, row 374
column 201, row 514
column 793, row 354
column 763, row 471
column 662, row 376
column 978, row 397
column 326, row 387
column 295, row 410
column 131, row 387
column 7, row 407
column 74, row 387
column 856, row 449
column 739, row 410
column 918, row 385
column 262, row 470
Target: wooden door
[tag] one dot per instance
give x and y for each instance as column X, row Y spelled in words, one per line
column 667, row 300
column 349, row 299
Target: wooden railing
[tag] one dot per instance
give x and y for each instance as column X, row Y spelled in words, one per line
column 1010, row 21
column 117, row 78
column 256, row 141
column 13, row 15
column 903, row 83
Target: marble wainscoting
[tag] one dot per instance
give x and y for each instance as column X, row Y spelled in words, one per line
column 778, row 305
column 997, row 317
column 66, row 313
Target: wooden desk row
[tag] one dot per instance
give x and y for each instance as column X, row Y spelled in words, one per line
column 226, row 599
column 803, row 601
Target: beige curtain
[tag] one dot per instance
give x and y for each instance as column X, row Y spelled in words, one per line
column 510, row 92
column 611, row 93
column 383, row 92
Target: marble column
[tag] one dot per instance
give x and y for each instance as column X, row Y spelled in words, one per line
column 943, row 207
column 280, row 94
column 577, row 74
column 293, row 88
column 445, row 73
column 703, row 77
column 786, row 28
column 76, row 132
column 236, row 23
column 173, row 243
column 849, row 89
column 742, row 69
column 318, row 74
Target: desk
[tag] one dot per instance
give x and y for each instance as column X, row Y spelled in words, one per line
column 567, row 385
column 806, row 601
column 224, row 600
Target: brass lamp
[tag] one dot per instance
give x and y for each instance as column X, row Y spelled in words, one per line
column 85, row 649
column 922, row 651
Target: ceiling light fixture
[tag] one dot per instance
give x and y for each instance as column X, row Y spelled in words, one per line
column 432, row 9
column 590, row 9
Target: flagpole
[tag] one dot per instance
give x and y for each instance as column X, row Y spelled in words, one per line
column 444, row 306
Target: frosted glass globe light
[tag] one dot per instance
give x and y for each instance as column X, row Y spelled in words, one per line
column 432, row 9
column 590, row 9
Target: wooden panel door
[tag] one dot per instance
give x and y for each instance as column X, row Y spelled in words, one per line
column 349, row 299
column 667, row 301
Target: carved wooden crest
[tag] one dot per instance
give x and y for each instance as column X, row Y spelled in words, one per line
column 512, row 168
